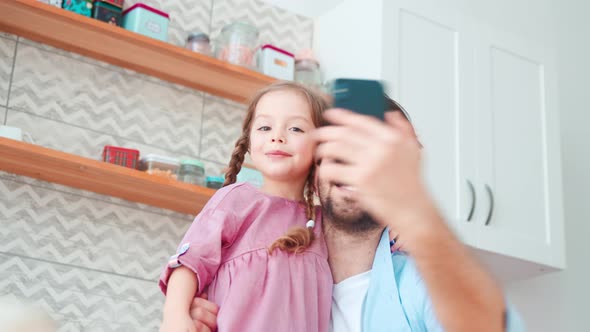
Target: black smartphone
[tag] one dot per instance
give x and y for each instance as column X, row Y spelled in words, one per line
column 361, row 96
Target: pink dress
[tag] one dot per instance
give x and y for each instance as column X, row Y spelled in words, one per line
column 256, row 291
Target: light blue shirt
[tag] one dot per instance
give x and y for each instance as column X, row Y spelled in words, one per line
column 397, row 299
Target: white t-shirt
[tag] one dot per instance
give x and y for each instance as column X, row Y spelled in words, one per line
column 347, row 303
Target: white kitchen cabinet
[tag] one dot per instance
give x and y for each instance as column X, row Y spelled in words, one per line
column 431, row 76
column 484, row 107
column 518, row 149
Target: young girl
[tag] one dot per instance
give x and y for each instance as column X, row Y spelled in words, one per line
column 253, row 250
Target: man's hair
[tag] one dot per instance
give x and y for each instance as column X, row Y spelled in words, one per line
column 392, row 105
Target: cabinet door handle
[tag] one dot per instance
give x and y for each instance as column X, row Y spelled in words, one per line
column 491, row 194
column 472, row 209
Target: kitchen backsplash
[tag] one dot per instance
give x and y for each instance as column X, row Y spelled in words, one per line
column 92, row 261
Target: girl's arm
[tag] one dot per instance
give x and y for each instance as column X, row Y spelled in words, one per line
column 182, row 287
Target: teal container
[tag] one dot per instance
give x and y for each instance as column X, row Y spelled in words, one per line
column 215, row 182
column 252, row 176
column 82, row 7
column 147, row 21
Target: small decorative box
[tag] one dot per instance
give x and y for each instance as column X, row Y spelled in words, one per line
column 147, row 21
column 121, row 156
column 82, row 7
column 56, row 3
column 276, row 62
column 107, row 13
column 116, row 3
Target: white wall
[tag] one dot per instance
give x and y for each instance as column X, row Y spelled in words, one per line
column 308, row 8
column 359, row 36
column 559, row 302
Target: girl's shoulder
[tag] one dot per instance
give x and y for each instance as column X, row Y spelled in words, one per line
column 233, row 197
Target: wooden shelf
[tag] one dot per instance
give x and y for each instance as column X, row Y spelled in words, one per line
column 79, row 34
column 100, row 177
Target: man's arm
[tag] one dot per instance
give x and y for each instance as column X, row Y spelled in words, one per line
column 464, row 297
column 383, row 162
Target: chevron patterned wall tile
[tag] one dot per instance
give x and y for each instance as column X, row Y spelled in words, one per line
column 7, row 35
column 83, row 142
column 37, row 305
column 186, row 16
column 102, row 64
column 96, row 301
column 176, row 36
column 222, row 125
column 229, row 102
column 74, row 206
column 68, row 326
column 215, row 169
column 87, row 96
column 7, row 47
column 74, row 230
column 276, row 26
column 44, row 47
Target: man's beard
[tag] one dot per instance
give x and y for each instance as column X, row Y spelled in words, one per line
column 358, row 224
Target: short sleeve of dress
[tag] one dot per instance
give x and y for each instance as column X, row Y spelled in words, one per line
column 214, row 229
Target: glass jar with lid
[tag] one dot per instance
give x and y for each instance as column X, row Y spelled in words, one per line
column 199, row 42
column 192, row 171
column 237, row 44
column 307, row 69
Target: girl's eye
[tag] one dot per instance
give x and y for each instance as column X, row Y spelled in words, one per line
column 296, row 129
column 264, row 128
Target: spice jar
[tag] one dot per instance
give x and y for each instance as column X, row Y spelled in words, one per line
column 237, row 44
column 192, row 171
column 199, row 42
column 307, row 69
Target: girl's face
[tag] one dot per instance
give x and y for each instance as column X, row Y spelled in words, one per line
column 279, row 138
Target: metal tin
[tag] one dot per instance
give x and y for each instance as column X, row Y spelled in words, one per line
column 108, row 13
column 82, row 7
column 147, row 21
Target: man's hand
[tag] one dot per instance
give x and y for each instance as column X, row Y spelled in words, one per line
column 179, row 322
column 382, row 161
column 204, row 314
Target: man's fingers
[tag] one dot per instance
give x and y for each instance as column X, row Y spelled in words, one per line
column 203, row 317
column 202, row 328
column 201, row 303
column 335, row 150
column 398, row 121
column 365, row 123
column 337, row 133
column 339, row 173
column 392, row 116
